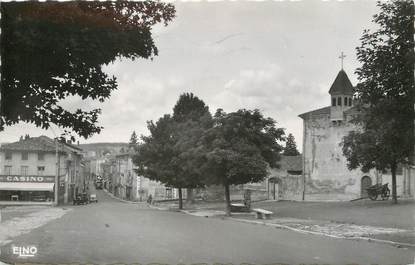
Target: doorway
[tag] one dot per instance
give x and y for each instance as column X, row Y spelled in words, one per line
column 365, row 183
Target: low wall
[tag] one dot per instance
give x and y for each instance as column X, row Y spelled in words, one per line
column 217, row 193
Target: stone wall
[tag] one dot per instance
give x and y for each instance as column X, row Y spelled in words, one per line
column 217, row 193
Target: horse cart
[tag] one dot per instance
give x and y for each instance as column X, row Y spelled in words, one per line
column 378, row 189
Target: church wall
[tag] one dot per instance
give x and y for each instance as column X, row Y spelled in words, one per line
column 325, row 167
column 327, row 176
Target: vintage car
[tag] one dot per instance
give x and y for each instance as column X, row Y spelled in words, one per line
column 81, row 198
column 93, row 198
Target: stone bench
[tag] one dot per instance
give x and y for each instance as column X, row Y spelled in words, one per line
column 261, row 213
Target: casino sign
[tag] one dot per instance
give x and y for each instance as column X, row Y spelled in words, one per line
column 19, row 178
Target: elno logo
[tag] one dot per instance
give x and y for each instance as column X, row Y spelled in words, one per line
column 25, row 251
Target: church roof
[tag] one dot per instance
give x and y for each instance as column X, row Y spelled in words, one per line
column 321, row 111
column 341, row 85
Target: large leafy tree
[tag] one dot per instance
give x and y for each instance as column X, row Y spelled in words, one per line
column 171, row 153
column 385, row 93
column 52, row 50
column 156, row 155
column 192, row 118
column 290, row 146
column 239, row 148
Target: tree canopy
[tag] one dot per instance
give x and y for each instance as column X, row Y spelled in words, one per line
column 132, row 144
column 53, row 50
column 385, row 93
column 155, row 156
column 189, row 107
column 192, row 118
column 171, row 153
column 290, row 146
column 239, row 148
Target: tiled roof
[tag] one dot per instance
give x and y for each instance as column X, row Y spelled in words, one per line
column 291, row 163
column 321, row 111
column 341, row 85
column 35, row 144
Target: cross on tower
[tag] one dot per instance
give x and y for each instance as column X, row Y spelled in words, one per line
column 341, row 57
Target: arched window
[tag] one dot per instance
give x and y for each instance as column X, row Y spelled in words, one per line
column 339, row 101
column 345, row 101
column 350, row 101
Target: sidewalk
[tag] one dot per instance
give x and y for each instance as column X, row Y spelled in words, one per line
column 394, row 236
column 378, row 221
column 364, row 212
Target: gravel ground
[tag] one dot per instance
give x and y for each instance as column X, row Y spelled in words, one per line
column 20, row 221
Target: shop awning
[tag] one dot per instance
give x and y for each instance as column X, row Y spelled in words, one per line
column 27, row 186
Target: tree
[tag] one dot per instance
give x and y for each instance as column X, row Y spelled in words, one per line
column 239, row 148
column 171, row 154
column 385, row 93
column 189, row 107
column 133, row 141
column 192, row 118
column 290, row 146
column 53, row 50
column 157, row 157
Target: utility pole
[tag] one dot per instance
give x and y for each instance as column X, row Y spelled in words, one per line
column 303, row 160
column 57, row 173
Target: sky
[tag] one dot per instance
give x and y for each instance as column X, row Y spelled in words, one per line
column 279, row 57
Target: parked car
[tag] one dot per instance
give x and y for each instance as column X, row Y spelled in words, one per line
column 98, row 184
column 93, row 198
column 81, row 198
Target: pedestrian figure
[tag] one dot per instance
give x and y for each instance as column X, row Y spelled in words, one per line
column 149, row 199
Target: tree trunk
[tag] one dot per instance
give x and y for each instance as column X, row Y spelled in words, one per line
column 189, row 198
column 394, row 195
column 228, row 200
column 180, row 199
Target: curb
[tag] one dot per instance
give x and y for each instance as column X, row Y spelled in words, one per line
column 323, row 234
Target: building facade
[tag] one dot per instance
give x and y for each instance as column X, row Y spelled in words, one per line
column 126, row 184
column 28, row 169
column 286, row 182
column 326, row 175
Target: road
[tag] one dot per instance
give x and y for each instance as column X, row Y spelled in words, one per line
column 115, row 232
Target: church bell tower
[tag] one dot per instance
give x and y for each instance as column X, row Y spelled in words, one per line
column 341, row 92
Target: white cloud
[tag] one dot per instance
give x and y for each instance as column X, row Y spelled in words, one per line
column 278, row 57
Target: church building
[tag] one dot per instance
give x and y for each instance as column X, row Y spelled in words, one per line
column 326, row 175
